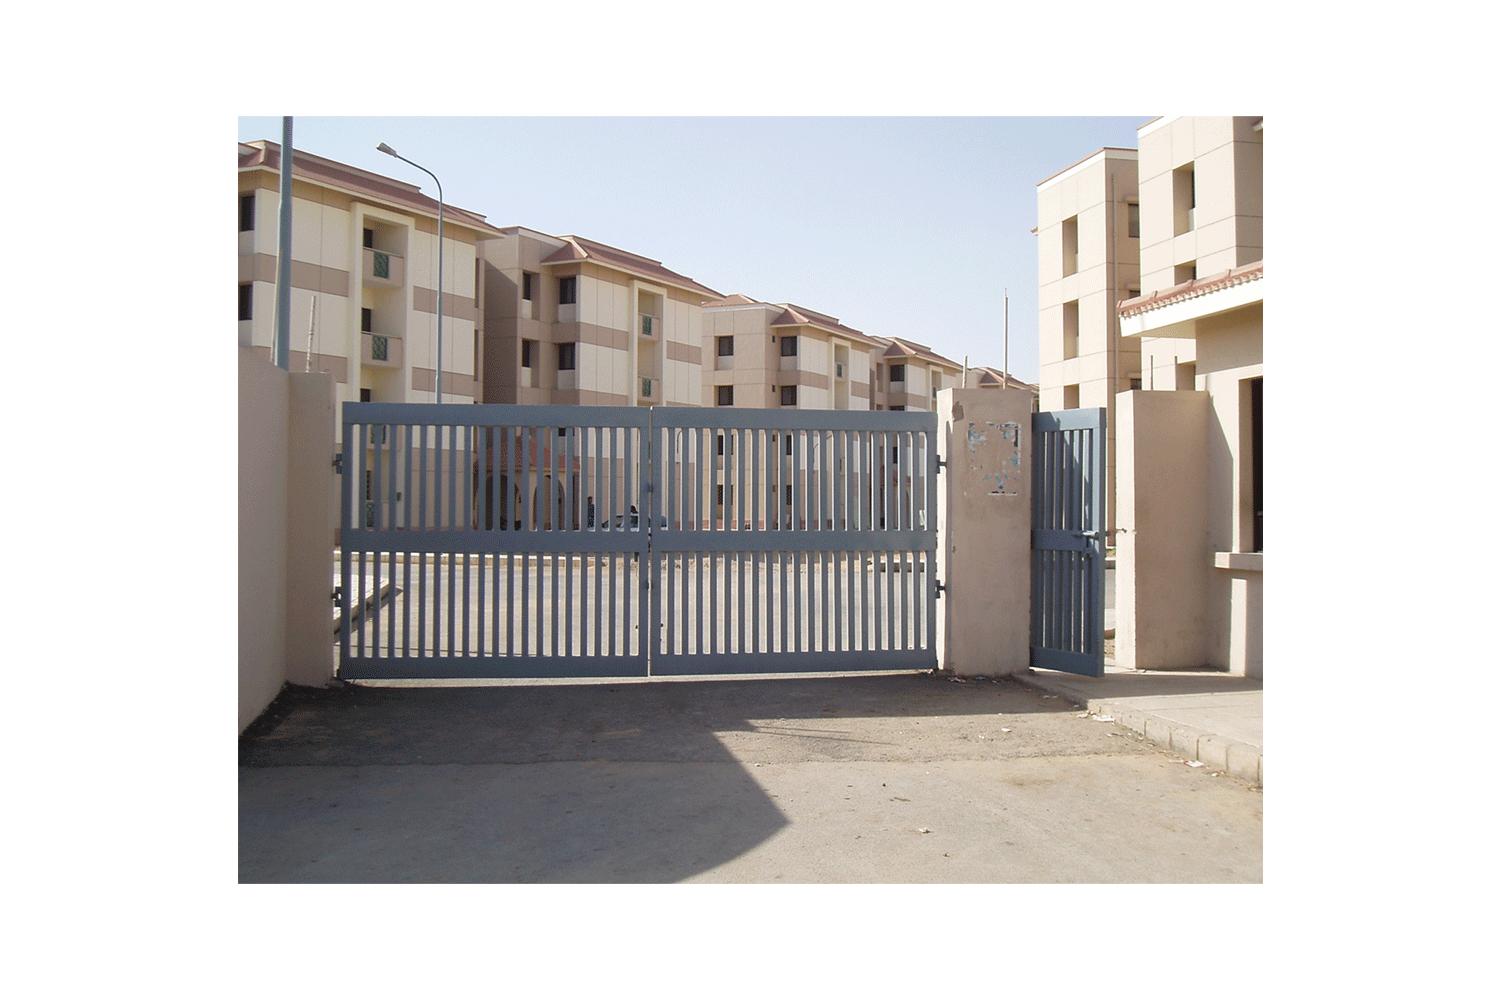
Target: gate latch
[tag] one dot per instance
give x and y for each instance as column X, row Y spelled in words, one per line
column 338, row 595
column 938, row 587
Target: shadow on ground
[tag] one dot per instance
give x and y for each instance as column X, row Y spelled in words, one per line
column 663, row 782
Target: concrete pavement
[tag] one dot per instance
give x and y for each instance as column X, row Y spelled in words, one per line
column 887, row 778
column 1203, row 715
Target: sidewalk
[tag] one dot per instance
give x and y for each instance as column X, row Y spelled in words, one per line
column 1203, row 715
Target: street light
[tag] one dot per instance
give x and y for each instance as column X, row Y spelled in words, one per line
column 388, row 151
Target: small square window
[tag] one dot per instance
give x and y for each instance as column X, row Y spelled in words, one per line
column 567, row 357
column 247, row 301
column 789, row 395
column 528, row 281
column 526, row 353
column 724, row 395
column 725, row 346
column 369, row 238
column 366, row 320
column 1133, row 219
column 567, row 291
column 898, row 373
column 247, row 212
column 789, row 347
column 787, row 438
column 365, row 395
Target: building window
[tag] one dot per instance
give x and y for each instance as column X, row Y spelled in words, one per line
column 1132, row 293
column 1185, row 272
column 1070, row 246
column 1187, row 375
column 937, row 383
column 1070, row 397
column 366, row 396
column 1184, row 200
column 898, row 374
column 369, row 237
column 1070, row 330
column 366, row 320
column 1135, row 383
column 526, row 348
column 724, row 395
column 789, row 395
column 787, row 494
column 528, row 281
column 1257, row 415
column 1133, row 219
column 786, row 441
column 789, row 347
column 900, row 407
column 567, row 291
column 567, row 357
column 719, row 495
column 247, row 212
column 247, row 300
column 725, row 346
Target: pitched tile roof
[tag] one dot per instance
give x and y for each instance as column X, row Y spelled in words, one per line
column 1193, row 289
column 794, row 315
column 578, row 248
column 898, row 348
column 265, row 154
column 994, row 376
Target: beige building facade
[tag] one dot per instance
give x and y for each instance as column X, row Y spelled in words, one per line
column 763, row 354
column 1088, row 259
column 569, row 320
column 1191, row 441
column 364, row 278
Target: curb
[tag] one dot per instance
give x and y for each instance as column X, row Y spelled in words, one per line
column 1243, row 760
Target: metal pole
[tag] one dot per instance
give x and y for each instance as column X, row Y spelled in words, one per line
column 1005, row 371
column 387, row 150
column 283, row 347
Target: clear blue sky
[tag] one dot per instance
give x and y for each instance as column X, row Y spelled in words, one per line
column 903, row 227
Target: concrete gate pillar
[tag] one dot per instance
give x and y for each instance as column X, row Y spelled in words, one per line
column 984, row 531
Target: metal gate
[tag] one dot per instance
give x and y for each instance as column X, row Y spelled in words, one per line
column 1067, row 540
column 542, row 541
column 787, row 540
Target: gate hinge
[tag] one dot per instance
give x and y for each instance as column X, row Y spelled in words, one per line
column 938, row 587
column 338, row 595
column 338, row 464
column 942, row 463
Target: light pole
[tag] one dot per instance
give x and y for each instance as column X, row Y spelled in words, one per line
column 387, row 150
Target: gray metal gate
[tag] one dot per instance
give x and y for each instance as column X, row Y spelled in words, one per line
column 537, row 541
column 492, row 541
column 1068, row 465
column 788, row 540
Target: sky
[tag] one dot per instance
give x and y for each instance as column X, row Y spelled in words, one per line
column 906, row 227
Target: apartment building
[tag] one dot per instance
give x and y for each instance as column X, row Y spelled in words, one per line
column 1191, row 440
column 983, row 377
column 364, row 278
column 766, row 354
column 908, row 375
column 1088, row 259
column 571, row 320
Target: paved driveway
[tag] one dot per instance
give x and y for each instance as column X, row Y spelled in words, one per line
column 887, row 778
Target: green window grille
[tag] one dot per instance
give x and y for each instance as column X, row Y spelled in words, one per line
column 380, row 348
column 382, row 264
column 646, row 388
column 646, row 322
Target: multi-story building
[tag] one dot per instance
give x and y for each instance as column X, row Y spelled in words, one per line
column 1191, row 443
column 768, row 354
column 908, row 375
column 983, row 377
column 572, row 320
column 364, row 278
column 1088, row 259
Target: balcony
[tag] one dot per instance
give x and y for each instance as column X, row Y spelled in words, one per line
column 650, row 325
column 567, row 379
column 648, row 387
column 528, row 311
column 528, row 377
column 723, row 362
column 379, row 350
column 788, row 363
column 383, row 269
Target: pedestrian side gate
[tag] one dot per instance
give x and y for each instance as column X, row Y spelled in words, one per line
column 1068, row 465
column 535, row 541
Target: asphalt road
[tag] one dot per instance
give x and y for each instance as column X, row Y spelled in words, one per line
column 891, row 778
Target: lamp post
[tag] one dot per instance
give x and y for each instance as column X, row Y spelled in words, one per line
column 387, row 150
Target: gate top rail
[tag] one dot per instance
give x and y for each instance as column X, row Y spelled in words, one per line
column 793, row 419
column 496, row 414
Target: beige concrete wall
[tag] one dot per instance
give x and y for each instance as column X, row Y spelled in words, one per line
column 984, row 530
column 1164, row 612
column 263, row 414
column 286, row 530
